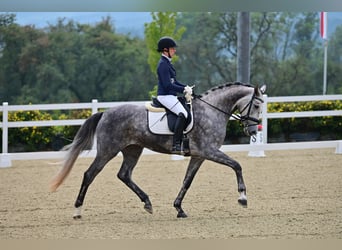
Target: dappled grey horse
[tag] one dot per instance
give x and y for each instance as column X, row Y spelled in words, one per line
column 124, row 129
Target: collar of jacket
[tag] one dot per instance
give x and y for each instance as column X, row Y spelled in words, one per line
column 168, row 58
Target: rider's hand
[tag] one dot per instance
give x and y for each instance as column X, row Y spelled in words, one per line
column 188, row 90
column 188, row 98
column 188, row 93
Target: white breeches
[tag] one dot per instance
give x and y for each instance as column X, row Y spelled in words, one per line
column 173, row 104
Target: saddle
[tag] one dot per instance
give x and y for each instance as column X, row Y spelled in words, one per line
column 162, row 121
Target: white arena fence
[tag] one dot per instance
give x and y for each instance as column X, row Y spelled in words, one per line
column 255, row 149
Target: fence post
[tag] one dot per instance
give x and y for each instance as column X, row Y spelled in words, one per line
column 94, row 110
column 339, row 147
column 264, row 120
column 94, row 106
column 5, row 160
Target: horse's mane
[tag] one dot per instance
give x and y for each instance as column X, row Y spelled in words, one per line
column 225, row 85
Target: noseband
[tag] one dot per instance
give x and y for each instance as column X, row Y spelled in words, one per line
column 238, row 117
column 249, row 106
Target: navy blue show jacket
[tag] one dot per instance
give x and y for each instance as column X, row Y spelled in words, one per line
column 167, row 82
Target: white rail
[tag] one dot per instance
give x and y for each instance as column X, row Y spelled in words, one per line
column 5, row 157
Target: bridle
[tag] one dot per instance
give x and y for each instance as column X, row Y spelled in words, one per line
column 238, row 117
column 249, row 106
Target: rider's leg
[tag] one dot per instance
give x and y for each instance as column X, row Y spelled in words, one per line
column 173, row 104
column 178, row 134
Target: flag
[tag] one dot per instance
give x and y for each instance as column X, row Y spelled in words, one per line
column 324, row 25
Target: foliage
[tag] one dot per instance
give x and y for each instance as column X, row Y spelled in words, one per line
column 286, row 52
column 54, row 138
column 163, row 24
column 65, row 134
column 234, row 133
column 30, row 138
column 77, row 63
column 42, row 138
column 72, row 62
column 207, row 55
column 335, row 62
column 327, row 127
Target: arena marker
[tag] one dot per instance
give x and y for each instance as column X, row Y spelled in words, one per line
column 257, row 140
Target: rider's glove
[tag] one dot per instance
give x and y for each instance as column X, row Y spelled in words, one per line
column 188, row 93
column 188, row 90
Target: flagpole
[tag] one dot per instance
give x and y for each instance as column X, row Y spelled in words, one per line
column 324, row 32
column 325, row 66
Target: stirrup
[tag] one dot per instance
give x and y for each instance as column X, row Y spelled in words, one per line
column 176, row 149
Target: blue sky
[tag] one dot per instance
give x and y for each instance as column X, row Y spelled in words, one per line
column 124, row 22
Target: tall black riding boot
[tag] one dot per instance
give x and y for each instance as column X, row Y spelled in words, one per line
column 178, row 136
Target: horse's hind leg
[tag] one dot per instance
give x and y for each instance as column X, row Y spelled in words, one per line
column 94, row 169
column 193, row 167
column 131, row 156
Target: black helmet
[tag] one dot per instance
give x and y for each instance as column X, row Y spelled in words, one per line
column 166, row 43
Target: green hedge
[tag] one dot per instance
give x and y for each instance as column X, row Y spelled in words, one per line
column 296, row 129
column 30, row 139
column 319, row 128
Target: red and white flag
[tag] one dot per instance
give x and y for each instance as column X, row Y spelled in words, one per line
column 324, row 25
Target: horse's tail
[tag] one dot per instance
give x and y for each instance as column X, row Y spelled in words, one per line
column 83, row 139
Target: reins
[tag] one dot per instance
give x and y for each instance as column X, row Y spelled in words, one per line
column 211, row 105
column 235, row 116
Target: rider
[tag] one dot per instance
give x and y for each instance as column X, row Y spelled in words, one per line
column 169, row 87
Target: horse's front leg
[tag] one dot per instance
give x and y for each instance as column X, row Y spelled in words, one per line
column 219, row 157
column 193, row 167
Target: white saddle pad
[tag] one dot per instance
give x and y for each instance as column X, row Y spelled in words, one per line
column 157, row 122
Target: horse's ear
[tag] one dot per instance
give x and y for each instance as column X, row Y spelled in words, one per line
column 263, row 89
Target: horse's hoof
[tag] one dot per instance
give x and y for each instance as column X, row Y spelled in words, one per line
column 77, row 217
column 181, row 215
column 243, row 202
column 148, row 208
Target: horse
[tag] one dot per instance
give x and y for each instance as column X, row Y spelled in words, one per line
column 124, row 129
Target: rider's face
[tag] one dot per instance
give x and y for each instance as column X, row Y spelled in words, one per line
column 172, row 51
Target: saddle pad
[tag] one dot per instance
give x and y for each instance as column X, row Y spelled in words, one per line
column 157, row 123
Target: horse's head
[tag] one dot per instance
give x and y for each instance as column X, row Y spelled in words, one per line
column 250, row 108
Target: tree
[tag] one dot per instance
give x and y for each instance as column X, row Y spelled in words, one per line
column 304, row 63
column 70, row 62
column 7, row 19
column 163, row 24
column 284, row 51
column 334, row 84
column 13, row 78
column 206, row 58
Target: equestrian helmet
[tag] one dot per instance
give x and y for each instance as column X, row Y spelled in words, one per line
column 166, row 43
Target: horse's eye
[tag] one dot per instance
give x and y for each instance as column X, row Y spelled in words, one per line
column 256, row 106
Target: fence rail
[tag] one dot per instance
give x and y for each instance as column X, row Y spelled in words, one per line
column 273, row 115
column 5, row 157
